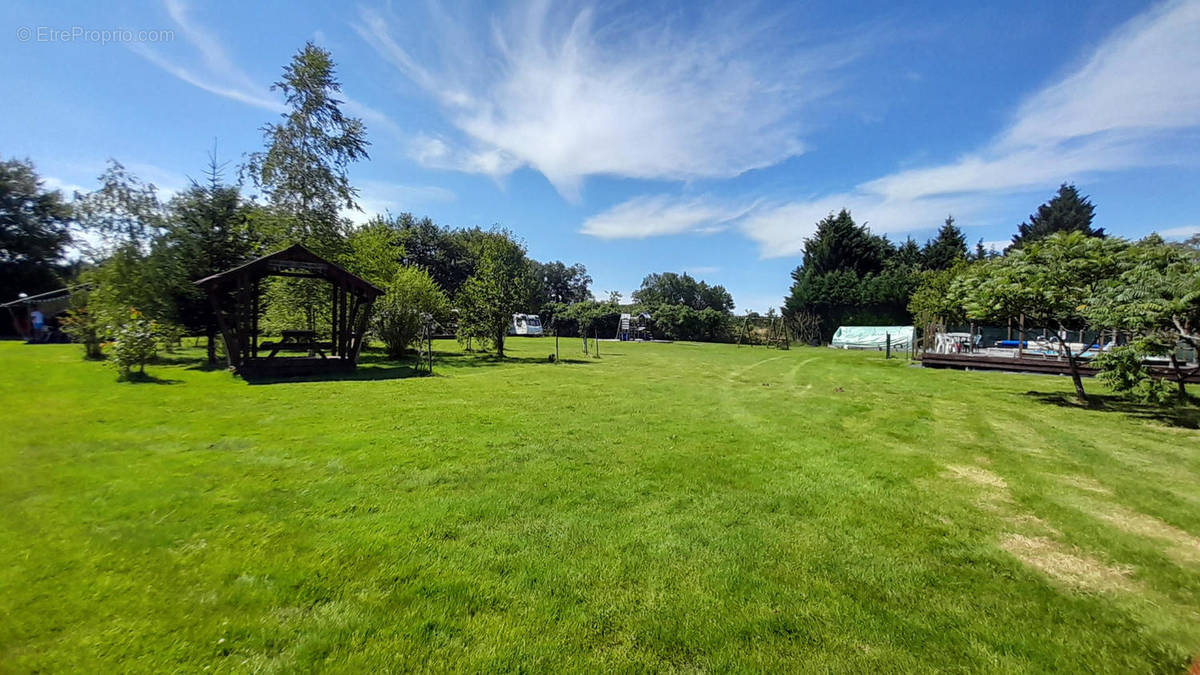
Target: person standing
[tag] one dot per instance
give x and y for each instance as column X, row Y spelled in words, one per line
column 39, row 323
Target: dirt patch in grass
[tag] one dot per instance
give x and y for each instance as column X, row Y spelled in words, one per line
column 976, row 475
column 1183, row 546
column 1084, row 483
column 1028, row 522
column 1065, row 564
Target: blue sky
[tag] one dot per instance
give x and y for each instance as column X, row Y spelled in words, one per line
column 642, row 137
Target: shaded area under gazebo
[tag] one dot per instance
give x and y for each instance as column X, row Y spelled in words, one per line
column 235, row 296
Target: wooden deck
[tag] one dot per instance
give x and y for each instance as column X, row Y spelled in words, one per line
column 1028, row 364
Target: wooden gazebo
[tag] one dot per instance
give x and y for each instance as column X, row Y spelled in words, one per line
column 235, row 296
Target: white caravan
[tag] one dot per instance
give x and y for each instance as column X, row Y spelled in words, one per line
column 526, row 324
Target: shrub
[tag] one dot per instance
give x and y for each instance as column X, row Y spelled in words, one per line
column 1124, row 373
column 136, row 342
column 84, row 327
column 170, row 335
column 399, row 318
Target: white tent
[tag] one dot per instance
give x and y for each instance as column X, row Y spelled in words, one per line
column 872, row 337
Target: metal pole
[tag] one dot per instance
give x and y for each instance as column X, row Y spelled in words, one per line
column 888, row 353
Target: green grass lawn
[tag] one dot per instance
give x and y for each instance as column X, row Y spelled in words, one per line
column 667, row 506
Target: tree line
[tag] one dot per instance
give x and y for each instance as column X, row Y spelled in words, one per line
column 141, row 253
column 851, row 276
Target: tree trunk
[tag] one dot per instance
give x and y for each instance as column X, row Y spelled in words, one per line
column 500, row 343
column 1179, row 377
column 1076, row 378
column 211, row 337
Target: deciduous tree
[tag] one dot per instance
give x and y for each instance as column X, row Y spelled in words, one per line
column 500, row 285
column 1048, row 281
column 34, row 231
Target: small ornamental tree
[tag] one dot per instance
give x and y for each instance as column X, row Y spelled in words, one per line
column 411, row 295
column 135, row 344
column 933, row 305
column 587, row 315
column 84, row 326
column 1156, row 298
column 1049, row 282
column 500, row 286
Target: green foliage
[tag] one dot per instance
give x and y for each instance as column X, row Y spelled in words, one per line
column 946, row 250
column 34, row 231
column 1156, row 296
column 304, row 170
column 443, row 252
column 557, row 284
column 127, row 278
column 375, row 251
column 1066, row 212
column 412, row 298
column 1049, row 282
column 135, row 342
column 680, row 322
column 499, row 287
column 909, row 255
column 207, row 230
column 84, row 326
column 1122, row 369
column 849, row 276
column 123, row 211
column 670, row 288
column 936, row 299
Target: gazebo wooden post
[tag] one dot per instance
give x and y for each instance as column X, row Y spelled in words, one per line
column 333, row 312
column 230, row 340
column 360, row 333
column 254, row 320
column 344, row 321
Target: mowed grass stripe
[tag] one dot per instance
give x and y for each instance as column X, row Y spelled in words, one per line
column 666, row 506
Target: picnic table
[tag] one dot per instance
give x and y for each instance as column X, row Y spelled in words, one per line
column 296, row 341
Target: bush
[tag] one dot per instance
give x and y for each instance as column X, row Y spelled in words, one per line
column 1124, row 373
column 411, row 294
column 84, row 327
column 171, row 336
column 136, row 342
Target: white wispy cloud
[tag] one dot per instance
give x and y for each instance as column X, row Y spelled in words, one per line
column 378, row 197
column 1115, row 111
column 1179, row 232
column 652, row 216
column 215, row 72
column 572, row 93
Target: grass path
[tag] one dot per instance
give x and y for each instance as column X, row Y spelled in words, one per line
column 667, row 506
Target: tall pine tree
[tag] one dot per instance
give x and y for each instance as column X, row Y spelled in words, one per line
column 1066, row 212
column 949, row 247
